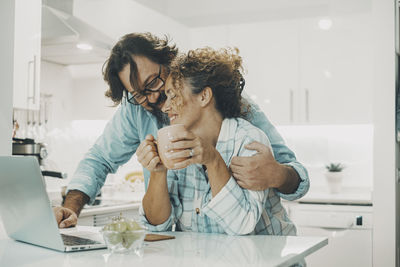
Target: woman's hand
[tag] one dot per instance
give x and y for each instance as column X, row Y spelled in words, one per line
column 192, row 148
column 147, row 155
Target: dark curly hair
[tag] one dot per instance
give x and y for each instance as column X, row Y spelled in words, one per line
column 221, row 70
column 142, row 44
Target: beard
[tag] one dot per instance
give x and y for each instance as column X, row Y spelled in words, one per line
column 162, row 118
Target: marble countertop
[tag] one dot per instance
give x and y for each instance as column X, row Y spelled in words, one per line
column 187, row 249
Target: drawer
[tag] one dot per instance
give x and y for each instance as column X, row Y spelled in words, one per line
column 331, row 216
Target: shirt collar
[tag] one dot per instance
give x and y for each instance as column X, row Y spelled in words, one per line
column 226, row 139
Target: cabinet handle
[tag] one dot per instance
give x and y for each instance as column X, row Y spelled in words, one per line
column 33, row 97
column 307, row 105
column 291, row 105
column 30, row 63
column 34, row 79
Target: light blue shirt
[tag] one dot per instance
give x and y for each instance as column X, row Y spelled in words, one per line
column 233, row 210
column 130, row 125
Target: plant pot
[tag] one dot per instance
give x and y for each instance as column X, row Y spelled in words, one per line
column 334, row 180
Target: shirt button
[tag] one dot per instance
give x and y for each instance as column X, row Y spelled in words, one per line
column 197, row 210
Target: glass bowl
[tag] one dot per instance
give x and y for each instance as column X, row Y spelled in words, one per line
column 123, row 242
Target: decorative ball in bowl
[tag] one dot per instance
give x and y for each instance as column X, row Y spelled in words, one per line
column 124, row 235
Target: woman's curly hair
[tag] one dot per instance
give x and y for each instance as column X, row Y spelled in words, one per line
column 221, row 70
column 156, row 49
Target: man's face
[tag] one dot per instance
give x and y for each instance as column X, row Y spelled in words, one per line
column 147, row 73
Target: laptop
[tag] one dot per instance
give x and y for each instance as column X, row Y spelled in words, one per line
column 26, row 211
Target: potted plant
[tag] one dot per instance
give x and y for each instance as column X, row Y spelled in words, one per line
column 334, row 176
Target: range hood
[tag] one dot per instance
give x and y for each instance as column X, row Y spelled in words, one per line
column 63, row 33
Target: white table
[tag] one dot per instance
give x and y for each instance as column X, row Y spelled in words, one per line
column 187, row 249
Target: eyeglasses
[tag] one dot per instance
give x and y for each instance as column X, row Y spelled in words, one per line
column 154, row 86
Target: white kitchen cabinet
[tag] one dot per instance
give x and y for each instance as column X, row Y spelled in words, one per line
column 300, row 73
column 335, row 69
column 27, row 34
column 306, row 75
column 270, row 59
column 348, row 227
column 271, row 63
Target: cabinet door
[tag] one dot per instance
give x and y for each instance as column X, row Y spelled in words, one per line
column 27, row 54
column 336, row 69
column 270, row 57
column 350, row 240
column 346, row 247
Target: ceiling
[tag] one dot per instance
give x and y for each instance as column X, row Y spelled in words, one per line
column 195, row 13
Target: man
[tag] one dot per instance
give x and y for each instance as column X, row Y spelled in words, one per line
column 136, row 72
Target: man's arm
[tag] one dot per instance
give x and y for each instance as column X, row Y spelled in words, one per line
column 284, row 173
column 75, row 200
column 113, row 148
column 67, row 215
column 291, row 180
column 262, row 171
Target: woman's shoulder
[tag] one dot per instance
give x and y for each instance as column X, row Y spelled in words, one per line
column 246, row 133
column 245, row 128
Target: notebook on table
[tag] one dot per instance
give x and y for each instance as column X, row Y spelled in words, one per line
column 26, row 211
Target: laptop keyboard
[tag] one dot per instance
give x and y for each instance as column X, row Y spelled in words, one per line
column 70, row 240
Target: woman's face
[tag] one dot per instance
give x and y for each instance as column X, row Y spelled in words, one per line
column 182, row 106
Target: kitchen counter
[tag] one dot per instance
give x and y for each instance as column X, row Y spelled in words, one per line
column 347, row 196
column 109, row 208
column 101, row 214
column 187, row 249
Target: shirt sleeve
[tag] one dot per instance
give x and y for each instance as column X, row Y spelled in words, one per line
column 281, row 152
column 176, row 207
column 234, row 208
column 113, row 148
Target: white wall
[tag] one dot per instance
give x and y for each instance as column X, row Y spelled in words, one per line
column 6, row 74
column 74, row 97
column 55, row 80
column 318, row 145
column 384, row 232
column 88, row 91
column 119, row 17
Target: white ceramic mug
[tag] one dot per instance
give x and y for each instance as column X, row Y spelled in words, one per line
column 164, row 136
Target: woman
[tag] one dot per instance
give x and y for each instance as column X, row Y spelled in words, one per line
column 204, row 93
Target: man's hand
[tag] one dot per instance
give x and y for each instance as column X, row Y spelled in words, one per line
column 65, row 217
column 262, row 171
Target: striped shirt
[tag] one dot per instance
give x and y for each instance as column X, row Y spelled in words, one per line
column 233, row 210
